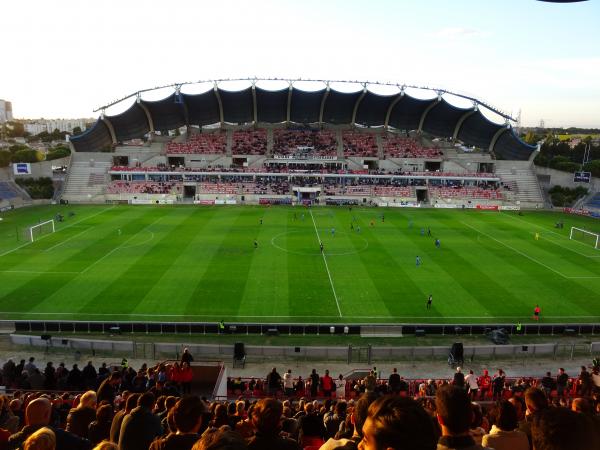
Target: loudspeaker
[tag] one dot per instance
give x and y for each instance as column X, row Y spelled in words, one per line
column 45, row 337
column 296, row 349
column 419, row 332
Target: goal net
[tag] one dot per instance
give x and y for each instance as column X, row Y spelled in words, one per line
column 34, row 232
column 584, row 236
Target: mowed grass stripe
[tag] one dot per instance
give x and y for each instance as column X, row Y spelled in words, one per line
column 309, row 289
column 142, row 266
column 220, row 288
column 268, row 272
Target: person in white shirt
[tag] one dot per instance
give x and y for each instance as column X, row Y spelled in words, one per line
column 340, row 387
column 471, row 384
column 288, row 383
column 504, row 434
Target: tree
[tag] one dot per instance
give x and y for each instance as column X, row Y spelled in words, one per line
column 60, row 151
column 4, row 158
column 76, row 131
column 593, row 167
column 28, row 156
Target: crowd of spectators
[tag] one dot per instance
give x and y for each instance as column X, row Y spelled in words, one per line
column 150, row 409
column 359, row 144
column 397, row 146
column 202, row 143
column 143, row 187
column 249, row 142
column 303, row 142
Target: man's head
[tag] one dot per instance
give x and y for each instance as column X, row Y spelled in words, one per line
column 361, row 409
column 505, row 416
column 266, row 416
column 519, row 405
column 38, row 412
column 562, row 429
column 397, row 423
column 220, row 439
column 561, row 371
column 88, row 400
column 146, row 400
column 453, row 410
column 535, row 400
column 582, row 405
column 188, row 413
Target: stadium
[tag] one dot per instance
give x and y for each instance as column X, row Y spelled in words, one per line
column 335, row 210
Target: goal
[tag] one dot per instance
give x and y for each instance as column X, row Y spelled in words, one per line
column 34, row 232
column 584, row 236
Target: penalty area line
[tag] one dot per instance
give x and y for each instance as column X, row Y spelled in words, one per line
column 337, row 303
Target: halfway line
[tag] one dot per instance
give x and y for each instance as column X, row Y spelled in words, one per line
column 326, row 266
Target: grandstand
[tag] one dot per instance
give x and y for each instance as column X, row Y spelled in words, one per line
column 330, row 137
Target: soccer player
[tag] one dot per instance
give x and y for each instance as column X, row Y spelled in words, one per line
column 410, row 223
column 119, row 232
column 372, row 223
column 261, row 221
column 428, row 231
column 382, row 218
column 358, row 229
column 351, row 226
column 437, row 243
column 429, row 300
column 333, row 231
column 537, row 236
column 418, row 261
column 255, row 243
column 321, row 246
column 536, row 313
column 422, row 231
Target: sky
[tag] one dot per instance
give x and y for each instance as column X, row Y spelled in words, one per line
column 65, row 58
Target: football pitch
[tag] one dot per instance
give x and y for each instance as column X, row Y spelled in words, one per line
column 200, row 263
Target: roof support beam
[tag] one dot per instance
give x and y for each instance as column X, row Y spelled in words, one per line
column 424, row 115
column 390, row 108
column 184, row 108
column 148, row 116
column 496, row 137
column 323, row 100
column 254, row 111
column 357, row 104
column 111, row 129
column 289, row 104
column 221, row 116
column 460, row 122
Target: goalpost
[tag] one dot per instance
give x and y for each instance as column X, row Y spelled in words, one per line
column 34, row 232
column 585, row 236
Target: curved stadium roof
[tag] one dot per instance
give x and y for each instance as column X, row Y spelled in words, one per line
column 363, row 108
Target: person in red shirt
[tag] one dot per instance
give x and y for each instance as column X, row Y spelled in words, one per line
column 536, row 313
column 186, row 376
column 485, row 383
column 327, row 384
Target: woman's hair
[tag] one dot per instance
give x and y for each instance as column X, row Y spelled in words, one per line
column 42, row 439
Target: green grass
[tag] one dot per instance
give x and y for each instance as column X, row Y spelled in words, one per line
column 190, row 263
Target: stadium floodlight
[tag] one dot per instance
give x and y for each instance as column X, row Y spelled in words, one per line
column 585, row 236
column 34, row 232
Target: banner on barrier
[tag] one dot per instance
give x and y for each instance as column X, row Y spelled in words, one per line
column 509, row 208
column 204, row 202
column 445, row 205
column 404, row 205
column 487, row 207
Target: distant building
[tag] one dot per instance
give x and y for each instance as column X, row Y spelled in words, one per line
column 6, row 114
column 36, row 126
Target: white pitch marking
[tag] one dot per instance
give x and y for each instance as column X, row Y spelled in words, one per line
column 35, row 272
column 326, row 266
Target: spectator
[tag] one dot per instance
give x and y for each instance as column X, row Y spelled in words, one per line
column 314, row 383
column 310, row 426
column 584, row 383
column 548, row 384
column 75, row 378
column 266, row 419
column 333, row 418
column 288, row 383
column 370, row 382
column 535, row 402
column 561, row 429
column 108, row 389
column 140, row 427
column 30, row 366
column 186, row 356
column 454, row 417
column 220, row 439
column 99, row 429
column 498, row 384
column 79, row 419
column 327, row 384
column 504, row 434
column 476, row 429
column 485, row 383
column 340, row 388
column 37, row 415
column 50, row 376
column 398, row 423
column 459, row 378
column 115, row 429
column 89, row 375
column 187, row 417
column 472, row 386
column 42, row 439
column 273, row 382
column 394, row 381
column 562, row 380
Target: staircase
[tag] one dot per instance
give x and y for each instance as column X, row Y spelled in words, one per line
column 521, row 177
column 88, row 177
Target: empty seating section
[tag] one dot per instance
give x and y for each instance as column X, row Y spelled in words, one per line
column 249, row 142
column 7, row 191
column 203, row 143
column 396, row 146
column 465, row 192
column 594, row 202
column 359, row 144
column 304, row 142
column 246, row 188
column 143, row 187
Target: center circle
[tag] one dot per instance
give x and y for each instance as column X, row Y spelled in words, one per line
column 326, row 237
